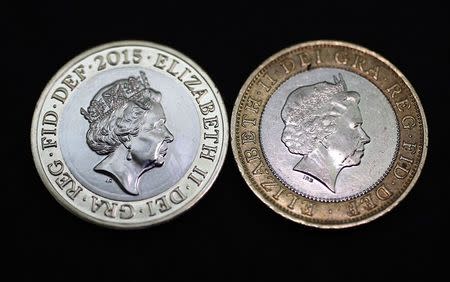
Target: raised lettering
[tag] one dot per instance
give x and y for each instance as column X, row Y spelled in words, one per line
column 253, row 105
column 214, row 136
column 383, row 193
column 271, row 80
column 373, row 72
column 251, row 155
column 50, row 118
column 126, row 211
column 48, row 143
column 394, row 90
column 48, row 131
column 151, row 211
column 110, row 208
column 293, row 201
column 367, row 203
column 402, row 105
column 207, row 108
column 341, row 58
column 408, row 122
column 318, row 57
column 60, row 94
column 176, row 196
column 69, row 82
column 208, row 152
column 198, row 94
column 79, row 71
column 163, row 204
column 305, row 60
column 358, row 64
column 269, row 185
column 196, row 172
column 55, row 168
column 352, row 209
column 194, row 80
column 246, row 121
column 277, row 195
column 402, row 169
column 170, row 70
column 73, row 192
column 183, row 74
column 260, row 169
column 248, row 137
column 288, row 65
column 307, row 208
column 212, row 121
column 160, row 61
column 409, row 147
column 64, row 180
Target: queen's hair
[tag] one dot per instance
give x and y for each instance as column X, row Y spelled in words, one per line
column 117, row 111
column 106, row 134
column 310, row 114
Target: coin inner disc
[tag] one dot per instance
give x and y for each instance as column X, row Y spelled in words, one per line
column 329, row 149
column 181, row 119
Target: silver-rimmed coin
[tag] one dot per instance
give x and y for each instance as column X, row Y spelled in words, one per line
column 129, row 134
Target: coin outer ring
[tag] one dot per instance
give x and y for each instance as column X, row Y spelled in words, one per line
column 121, row 225
column 289, row 216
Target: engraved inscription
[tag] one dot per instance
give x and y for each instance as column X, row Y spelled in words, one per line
column 365, row 203
column 113, row 58
column 307, row 208
column 269, row 184
column 197, row 175
column 357, row 62
column 208, row 152
column 64, row 180
column 50, row 119
column 303, row 60
column 112, row 209
column 383, row 193
column 402, row 167
column 166, row 201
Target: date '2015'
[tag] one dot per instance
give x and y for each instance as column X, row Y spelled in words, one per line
column 115, row 57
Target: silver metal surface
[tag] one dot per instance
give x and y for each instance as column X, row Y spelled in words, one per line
column 326, row 138
column 181, row 119
column 129, row 134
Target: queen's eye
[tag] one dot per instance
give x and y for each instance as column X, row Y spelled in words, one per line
column 160, row 123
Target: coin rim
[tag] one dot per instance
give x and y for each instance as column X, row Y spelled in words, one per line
column 125, row 225
column 336, row 43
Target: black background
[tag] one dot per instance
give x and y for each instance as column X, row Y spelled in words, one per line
column 229, row 235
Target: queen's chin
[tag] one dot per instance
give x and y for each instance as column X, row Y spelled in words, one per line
column 354, row 159
column 160, row 160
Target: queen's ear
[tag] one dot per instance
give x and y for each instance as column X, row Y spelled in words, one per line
column 126, row 140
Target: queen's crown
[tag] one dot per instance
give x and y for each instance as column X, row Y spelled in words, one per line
column 114, row 95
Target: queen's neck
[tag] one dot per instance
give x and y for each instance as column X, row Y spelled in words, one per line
column 127, row 172
column 322, row 166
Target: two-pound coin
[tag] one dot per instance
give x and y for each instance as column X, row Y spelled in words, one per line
column 329, row 134
column 129, row 134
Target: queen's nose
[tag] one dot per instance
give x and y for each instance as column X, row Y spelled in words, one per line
column 169, row 137
column 364, row 137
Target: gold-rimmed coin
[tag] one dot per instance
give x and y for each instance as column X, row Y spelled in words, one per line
column 329, row 134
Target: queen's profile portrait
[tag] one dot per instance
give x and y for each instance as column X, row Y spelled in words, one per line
column 323, row 124
column 127, row 126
